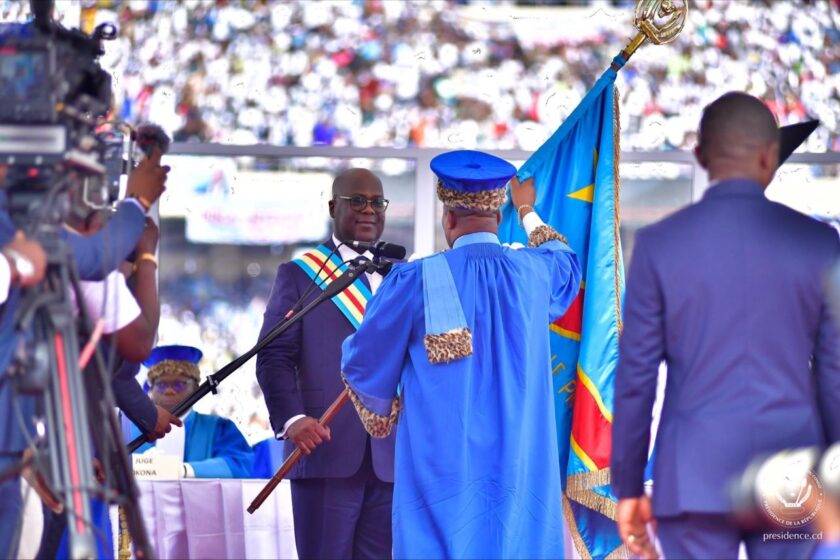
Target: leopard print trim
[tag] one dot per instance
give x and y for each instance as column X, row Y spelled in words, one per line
column 377, row 426
column 484, row 201
column 449, row 346
column 165, row 367
column 543, row 234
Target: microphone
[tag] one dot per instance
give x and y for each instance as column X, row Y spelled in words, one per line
column 380, row 249
column 148, row 136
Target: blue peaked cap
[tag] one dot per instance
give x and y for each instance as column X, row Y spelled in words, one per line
column 175, row 353
column 471, row 171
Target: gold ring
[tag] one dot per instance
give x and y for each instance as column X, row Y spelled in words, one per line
column 631, row 539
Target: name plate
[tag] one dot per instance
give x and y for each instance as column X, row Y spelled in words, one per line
column 157, row 467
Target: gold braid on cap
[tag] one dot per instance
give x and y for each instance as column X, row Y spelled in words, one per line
column 164, row 367
column 483, row 201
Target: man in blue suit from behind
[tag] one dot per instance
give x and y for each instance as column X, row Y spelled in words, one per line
column 342, row 488
column 729, row 293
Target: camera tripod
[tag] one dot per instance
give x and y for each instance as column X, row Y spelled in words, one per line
column 74, row 406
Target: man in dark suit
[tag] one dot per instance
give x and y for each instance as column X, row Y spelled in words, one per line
column 728, row 292
column 343, row 486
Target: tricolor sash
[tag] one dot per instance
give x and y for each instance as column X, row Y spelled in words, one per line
column 352, row 301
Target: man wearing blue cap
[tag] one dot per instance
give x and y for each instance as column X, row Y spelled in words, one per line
column 462, row 361
column 211, row 446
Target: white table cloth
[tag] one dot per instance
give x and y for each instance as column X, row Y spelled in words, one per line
column 207, row 518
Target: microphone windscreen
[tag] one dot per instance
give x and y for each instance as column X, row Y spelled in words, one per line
column 150, row 135
column 393, row 251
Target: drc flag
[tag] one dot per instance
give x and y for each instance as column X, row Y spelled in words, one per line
column 575, row 174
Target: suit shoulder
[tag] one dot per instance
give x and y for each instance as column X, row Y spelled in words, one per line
column 808, row 224
column 290, row 270
column 672, row 222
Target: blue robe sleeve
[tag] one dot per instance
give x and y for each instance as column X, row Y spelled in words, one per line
column 565, row 274
column 372, row 358
column 563, row 269
column 97, row 255
column 232, row 456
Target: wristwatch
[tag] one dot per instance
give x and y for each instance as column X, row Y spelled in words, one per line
column 23, row 266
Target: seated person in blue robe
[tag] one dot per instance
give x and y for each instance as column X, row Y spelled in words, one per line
column 211, row 446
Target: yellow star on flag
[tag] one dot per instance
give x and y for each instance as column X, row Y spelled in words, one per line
column 587, row 193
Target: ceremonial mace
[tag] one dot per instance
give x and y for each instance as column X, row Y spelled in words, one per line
column 659, row 21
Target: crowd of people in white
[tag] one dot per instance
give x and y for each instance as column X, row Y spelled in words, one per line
column 452, row 74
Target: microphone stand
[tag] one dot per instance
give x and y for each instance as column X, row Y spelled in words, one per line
column 357, row 267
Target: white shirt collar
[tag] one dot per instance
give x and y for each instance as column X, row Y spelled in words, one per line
column 348, row 253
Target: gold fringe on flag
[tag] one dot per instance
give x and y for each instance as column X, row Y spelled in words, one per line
column 616, row 205
column 579, row 487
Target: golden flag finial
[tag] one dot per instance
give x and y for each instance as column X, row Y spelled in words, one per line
column 658, row 21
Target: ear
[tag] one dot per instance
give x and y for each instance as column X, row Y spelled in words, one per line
column 331, row 205
column 449, row 219
column 701, row 159
column 768, row 158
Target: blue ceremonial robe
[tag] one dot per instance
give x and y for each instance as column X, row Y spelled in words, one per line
column 476, row 472
column 213, row 446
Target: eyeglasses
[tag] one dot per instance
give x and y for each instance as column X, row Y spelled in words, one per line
column 359, row 203
column 176, row 386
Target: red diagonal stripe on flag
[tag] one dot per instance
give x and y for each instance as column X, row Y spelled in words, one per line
column 572, row 320
column 592, row 432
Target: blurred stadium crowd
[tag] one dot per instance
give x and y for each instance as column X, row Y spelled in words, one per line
column 224, row 320
column 444, row 74
column 397, row 73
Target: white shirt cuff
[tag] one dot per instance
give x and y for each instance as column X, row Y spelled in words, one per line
column 5, row 278
column 531, row 221
column 289, row 422
column 189, row 471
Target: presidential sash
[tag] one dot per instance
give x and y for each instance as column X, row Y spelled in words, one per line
column 352, row 301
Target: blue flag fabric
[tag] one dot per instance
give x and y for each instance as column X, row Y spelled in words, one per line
column 575, row 174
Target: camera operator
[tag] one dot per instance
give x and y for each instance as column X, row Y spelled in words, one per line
column 131, row 319
column 99, row 254
column 95, row 257
column 131, row 311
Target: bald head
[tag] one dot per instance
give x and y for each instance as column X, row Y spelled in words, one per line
column 349, row 178
column 738, row 137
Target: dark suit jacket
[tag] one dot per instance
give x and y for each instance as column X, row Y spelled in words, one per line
column 130, row 396
column 299, row 373
column 729, row 292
